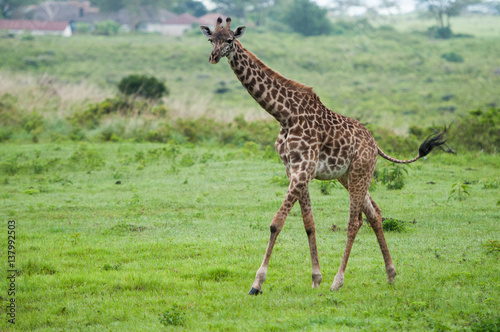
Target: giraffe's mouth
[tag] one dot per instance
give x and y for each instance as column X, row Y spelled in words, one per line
column 214, row 58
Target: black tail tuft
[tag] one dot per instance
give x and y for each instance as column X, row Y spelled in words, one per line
column 430, row 143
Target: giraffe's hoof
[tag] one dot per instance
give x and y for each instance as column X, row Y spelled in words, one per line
column 316, row 280
column 391, row 274
column 254, row 291
column 337, row 282
column 335, row 287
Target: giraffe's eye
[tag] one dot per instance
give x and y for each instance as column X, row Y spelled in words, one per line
column 229, row 41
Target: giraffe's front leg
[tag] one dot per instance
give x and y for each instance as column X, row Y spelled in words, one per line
column 310, row 227
column 276, row 226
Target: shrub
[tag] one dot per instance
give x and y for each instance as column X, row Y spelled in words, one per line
column 440, row 32
column 393, row 176
column 142, row 86
column 477, row 131
column 107, row 28
column 82, row 28
column 459, row 191
column 392, row 143
column 10, row 166
column 9, row 113
column 325, row 187
column 452, row 57
column 393, row 225
column 91, row 117
column 86, row 158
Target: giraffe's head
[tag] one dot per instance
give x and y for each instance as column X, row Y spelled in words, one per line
column 222, row 39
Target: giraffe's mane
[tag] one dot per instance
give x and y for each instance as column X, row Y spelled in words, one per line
column 291, row 84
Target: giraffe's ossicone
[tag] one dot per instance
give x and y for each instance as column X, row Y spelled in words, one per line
column 313, row 143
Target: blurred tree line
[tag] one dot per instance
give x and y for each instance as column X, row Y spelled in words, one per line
column 301, row 16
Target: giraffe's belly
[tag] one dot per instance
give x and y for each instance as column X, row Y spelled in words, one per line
column 328, row 170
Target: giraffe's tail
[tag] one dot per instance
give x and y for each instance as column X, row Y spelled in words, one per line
column 426, row 147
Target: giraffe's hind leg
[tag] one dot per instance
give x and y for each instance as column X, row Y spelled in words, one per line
column 344, row 181
column 357, row 188
column 374, row 216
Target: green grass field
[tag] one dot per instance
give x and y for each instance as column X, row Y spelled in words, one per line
column 176, row 244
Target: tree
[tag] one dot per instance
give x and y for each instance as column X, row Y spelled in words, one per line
column 443, row 10
column 7, row 6
column 195, row 8
column 236, row 8
column 115, row 5
column 306, row 18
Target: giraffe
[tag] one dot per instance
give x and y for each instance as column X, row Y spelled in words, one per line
column 313, row 142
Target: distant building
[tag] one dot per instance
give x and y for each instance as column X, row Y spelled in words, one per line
column 179, row 24
column 147, row 19
column 36, row 27
column 58, row 11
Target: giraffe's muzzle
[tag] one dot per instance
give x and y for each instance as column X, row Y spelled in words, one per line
column 214, row 57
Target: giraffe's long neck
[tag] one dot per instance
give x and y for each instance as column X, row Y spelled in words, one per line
column 279, row 96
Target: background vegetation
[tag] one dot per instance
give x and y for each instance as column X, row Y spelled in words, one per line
column 388, row 79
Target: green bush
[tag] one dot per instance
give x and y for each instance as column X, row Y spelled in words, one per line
column 477, row 131
column 452, row 57
column 393, row 176
column 86, row 158
column 392, row 143
column 440, row 32
column 107, row 28
column 143, row 86
column 82, row 28
column 91, row 117
column 325, row 187
column 393, row 225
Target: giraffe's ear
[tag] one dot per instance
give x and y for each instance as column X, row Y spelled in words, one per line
column 240, row 31
column 206, row 31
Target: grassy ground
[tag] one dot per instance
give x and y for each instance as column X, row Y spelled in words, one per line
column 181, row 236
column 478, row 25
column 388, row 78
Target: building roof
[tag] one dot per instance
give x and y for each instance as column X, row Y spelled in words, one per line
column 182, row 19
column 32, row 25
column 63, row 10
